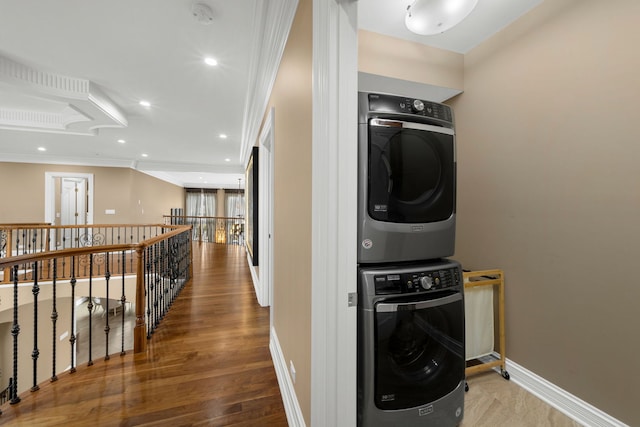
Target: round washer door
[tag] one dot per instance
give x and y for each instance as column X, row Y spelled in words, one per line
column 419, row 355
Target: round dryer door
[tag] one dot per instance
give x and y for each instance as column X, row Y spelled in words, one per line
column 411, row 172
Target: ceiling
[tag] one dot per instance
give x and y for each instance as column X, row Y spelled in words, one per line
column 72, row 74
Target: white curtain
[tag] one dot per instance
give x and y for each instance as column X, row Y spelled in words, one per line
column 209, row 210
column 192, row 207
column 201, row 204
column 234, row 204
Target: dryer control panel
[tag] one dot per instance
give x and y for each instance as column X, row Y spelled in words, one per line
column 399, row 104
column 406, row 283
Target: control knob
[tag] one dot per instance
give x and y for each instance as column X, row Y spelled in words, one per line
column 426, row 282
column 418, row 105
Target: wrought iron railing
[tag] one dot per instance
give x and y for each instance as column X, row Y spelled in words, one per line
column 41, row 286
column 213, row 229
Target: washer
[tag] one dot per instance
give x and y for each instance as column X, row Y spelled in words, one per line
column 406, row 179
column 411, row 354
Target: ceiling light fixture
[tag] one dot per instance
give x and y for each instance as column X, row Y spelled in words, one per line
column 210, row 61
column 429, row 17
column 227, row 160
column 223, row 136
column 145, row 103
column 42, row 149
column 121, row 141
column 145, row 155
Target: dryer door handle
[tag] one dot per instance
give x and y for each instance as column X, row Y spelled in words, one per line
column 387, row 123
column 418, row 305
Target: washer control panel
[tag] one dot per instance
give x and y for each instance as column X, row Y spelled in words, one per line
column 419, row 281
column 419, row 107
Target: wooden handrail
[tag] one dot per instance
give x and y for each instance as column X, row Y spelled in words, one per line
column 140, row 332
column 23, row 224
column 46, row 255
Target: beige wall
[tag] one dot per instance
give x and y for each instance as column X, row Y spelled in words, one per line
column 401, row 59
column 291, row 99
column 136, row 197
column 26, row 344
column 549, row 191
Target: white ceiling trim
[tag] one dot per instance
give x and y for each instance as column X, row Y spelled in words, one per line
column 54, row 160
column 79, row 106
column 186, row 167
column 273, row 20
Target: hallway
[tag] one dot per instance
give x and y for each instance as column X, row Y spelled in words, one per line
column 208, row 363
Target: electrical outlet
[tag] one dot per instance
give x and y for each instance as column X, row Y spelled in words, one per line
column 292, row 371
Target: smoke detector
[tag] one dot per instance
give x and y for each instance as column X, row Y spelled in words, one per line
column 202, row 13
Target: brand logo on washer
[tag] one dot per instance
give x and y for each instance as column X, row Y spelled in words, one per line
column 425, row 411
column 367, row 244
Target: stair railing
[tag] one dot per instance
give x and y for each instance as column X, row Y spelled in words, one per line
column 144, row 266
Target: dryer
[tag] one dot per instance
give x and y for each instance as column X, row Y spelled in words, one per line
column 406, row 179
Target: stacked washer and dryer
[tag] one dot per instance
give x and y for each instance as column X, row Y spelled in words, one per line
column 411, row 357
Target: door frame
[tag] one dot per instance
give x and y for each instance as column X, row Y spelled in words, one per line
column 50, row 194
column 265, row 207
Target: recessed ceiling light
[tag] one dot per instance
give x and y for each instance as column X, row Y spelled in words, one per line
column 227, row 160
column 145, row 103
column 121, row 141
column 223, row 136
column 145, row 155
column 210, row 61
column 42, row 149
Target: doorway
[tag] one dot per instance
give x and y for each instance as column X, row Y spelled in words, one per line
column 68, row 201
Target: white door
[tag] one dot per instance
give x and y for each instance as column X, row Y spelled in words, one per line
column 73, row 206
column 62, row 202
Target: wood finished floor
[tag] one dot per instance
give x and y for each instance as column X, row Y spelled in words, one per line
column 208, row 364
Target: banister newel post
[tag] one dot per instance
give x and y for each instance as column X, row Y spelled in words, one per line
column 140, row 330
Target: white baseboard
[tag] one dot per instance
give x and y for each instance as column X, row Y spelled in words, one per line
column 572, row 406
column 289, row 398
column 255, row 279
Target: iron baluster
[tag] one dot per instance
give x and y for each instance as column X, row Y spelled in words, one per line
column 123, row 300
column 157, row 276
column 107, row 276
column 35, row 353
column 148, row 290
column 90, row 307
column 54, row 319
column 174, row 263
column 72, row 339
column 154, row 279
column 15, row 331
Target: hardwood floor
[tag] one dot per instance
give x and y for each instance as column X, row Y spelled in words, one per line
column 208, row 364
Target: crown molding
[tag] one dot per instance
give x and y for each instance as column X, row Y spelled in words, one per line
column 272, row 20
column 55, row 160
column 79, row 106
